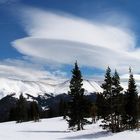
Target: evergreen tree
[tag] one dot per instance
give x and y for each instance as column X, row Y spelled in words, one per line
column 22, row 111
column 117, row 102
column 108, row 122
column 101, row 106
column 113, row 102
column 107, row 85
column 131, row 107
column 62, row 108
column 34, row 110
column 77, row 107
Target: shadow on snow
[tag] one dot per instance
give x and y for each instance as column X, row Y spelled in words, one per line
column 91, row 136
column 39, row 131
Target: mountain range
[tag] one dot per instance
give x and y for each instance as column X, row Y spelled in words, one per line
column 35, row 88
column 50, row 86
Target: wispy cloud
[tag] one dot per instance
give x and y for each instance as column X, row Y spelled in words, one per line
column 23, row 70
column 61, row 38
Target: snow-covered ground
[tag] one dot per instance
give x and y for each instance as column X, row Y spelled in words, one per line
column 56, row 129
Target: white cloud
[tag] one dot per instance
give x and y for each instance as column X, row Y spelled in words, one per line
column 22, row 70
column 66, row 52
column 44, row 24
column 62, row 39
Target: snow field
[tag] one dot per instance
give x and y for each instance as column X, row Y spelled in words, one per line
column 57, row 129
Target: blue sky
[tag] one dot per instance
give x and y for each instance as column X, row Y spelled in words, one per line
column 46, row 37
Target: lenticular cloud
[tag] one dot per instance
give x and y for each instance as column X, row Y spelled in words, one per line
column 62, row 38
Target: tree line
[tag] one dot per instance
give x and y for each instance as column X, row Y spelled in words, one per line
column 25, row 111
column 118, row 109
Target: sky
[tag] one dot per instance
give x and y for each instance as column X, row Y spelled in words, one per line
column 43, row 39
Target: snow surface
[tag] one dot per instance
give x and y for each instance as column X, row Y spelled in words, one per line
column 57, row 129
column 8, row 86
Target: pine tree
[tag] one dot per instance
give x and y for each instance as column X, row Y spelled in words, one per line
column 34, row 110
column 107, row 85
column 117, row 102
column 113, row 102
column 22, row 111
column 107, row 105
column 62, row 108
column 131, row 107
column 100, row 102
column 77, row 105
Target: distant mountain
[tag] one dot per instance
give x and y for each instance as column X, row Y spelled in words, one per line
column 35, row 88
column 48, row 93
column 53, row 87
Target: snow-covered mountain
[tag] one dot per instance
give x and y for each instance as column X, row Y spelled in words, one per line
column 51, row 86
column 8, row 86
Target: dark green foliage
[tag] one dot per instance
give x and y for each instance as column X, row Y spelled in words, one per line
column 107, row 85
column 107, row 102
column 22, row 111
column 101, row 104
column 77, row 107
column 131, row 107
column 112, row 102
column 62, row 108
column 25, row 111
column 34, row 111
column 117, row 103
column 50, row 113
column 7, row 104
column 119, row 111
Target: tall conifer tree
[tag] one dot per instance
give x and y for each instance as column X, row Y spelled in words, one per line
column 107, row 85
column 34, row 110
column 22, row 113
column 107, row 105
column 112, row 102
column 117, row 102
column 77, row 105
column 131, row 107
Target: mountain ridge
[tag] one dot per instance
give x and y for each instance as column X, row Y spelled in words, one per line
column 55, row 87
column 35, row 88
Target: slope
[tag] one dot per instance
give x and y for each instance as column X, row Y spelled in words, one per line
column 56, row 128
